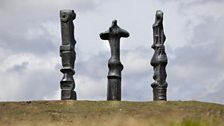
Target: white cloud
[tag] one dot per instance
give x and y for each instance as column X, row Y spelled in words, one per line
column 88, row 88
column 25, row 76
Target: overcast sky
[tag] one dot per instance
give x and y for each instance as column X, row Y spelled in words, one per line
column 30, row 39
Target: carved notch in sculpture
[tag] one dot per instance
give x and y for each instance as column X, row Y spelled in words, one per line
column 113, row 35
column 159, row 59
column 68, row 54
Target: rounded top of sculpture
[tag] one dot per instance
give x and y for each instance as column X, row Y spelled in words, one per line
column 114, row 30
column 67, row 15
column 159, row 14
column 114, row 22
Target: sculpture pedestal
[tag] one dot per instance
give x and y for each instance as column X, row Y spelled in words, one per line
column 159, row 94
column 114, row 89
column 68, row 95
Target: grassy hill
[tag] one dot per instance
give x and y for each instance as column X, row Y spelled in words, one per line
column 112, row 113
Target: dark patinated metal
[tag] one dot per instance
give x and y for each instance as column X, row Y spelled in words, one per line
column 115, row 67
column 159, row 59
column 68, row 54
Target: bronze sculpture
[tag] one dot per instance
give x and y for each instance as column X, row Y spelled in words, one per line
column 159, row 59
column 68, row 54
column 113, row 35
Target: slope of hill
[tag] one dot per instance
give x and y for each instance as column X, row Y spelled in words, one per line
column 112, row 113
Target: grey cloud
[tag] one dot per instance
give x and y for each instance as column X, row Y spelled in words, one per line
column 200, row 62
column 19, row 67
column 208, row 32
column 21, row 17
column 140, row 58
column 137, row 74
column 91, row 76
column 95, row 66
column 38, row 46
column 193, row 2
column 32, row 5
column 30, row 85
column 15, row 36
column 137, row 87
column 199, row 2
column 38, row 85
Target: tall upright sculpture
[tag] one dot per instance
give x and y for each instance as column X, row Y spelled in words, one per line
column 113, row 35
column 159, row 59
column 68, row 54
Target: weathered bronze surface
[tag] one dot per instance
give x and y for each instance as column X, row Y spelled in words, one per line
column 113, row 35
column 159, row 59
column 68, row 54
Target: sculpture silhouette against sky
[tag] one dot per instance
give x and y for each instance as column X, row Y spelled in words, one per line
column 113, row 35
column 159, row 59
column 68, row 54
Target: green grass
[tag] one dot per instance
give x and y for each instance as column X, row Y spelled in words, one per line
column 111, row 113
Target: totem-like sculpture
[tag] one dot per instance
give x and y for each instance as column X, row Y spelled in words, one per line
column 115, row 67
column 68, row 54
column 159, row 59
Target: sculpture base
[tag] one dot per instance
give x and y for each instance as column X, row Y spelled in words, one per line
column 68, row 95
column 114, row 89
column 159, row 94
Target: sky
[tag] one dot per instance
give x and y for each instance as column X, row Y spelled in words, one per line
column 30, row 39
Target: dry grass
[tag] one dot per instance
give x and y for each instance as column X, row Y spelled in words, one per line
column 113, row 113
